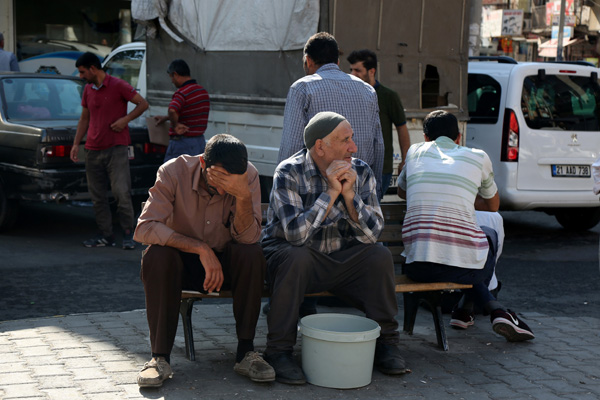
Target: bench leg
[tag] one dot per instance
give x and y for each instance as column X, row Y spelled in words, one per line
column 185, row 309
column 434, row 302
column 411, row 306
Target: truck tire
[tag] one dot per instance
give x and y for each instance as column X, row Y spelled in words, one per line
column 8, row 210
column 578, row 219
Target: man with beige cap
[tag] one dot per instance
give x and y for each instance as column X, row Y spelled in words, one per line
column 323, row 223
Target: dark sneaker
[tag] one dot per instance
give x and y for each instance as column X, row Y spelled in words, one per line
column 255, row 367
column 461, row 318
column 286, row 369
column 100, row 241
column 128, row 243
column 507, row 324
column 388, row 359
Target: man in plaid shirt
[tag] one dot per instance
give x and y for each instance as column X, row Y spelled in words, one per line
column 323, row 223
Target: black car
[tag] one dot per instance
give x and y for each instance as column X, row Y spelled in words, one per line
column 38, row 120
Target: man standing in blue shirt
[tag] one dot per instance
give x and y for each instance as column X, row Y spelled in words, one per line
column 8, row 61
column 327, row 88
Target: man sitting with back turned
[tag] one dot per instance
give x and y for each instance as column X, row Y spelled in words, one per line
column 443, row 184
column 202, row 222
column 323, row 223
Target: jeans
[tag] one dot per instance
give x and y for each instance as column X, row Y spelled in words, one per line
column 386, row 181
column 191, row 145
column 109, row 169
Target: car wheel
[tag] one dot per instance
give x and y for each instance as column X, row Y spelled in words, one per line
column 8, row 210
column 578, row 219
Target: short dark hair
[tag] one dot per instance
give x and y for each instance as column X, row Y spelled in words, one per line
column 228, row 151
column 88, row 60
column 368, row 58
column 322, row 48
column 179, row 66
column 440, row 123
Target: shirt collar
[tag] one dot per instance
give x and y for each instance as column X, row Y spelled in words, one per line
column 310, row 168
column 196, row 179
column 105, row 82
column 445, row 141
column 328, row 67
column 188, row 82
column 377, row 84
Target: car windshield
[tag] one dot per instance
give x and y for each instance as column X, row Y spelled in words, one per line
column 561, row 102
column 29, row 99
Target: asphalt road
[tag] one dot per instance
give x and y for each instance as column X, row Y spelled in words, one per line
column 45, row 270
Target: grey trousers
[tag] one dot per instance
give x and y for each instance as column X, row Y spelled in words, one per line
column 362, row 275
column 109, row 170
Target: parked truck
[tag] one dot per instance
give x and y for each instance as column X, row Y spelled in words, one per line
column 247, row 54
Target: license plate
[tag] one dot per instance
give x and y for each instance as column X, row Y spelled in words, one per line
column 577, row 171
column 130, row 152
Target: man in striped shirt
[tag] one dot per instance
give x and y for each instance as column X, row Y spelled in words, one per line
column 323, row 223
column 188, row 113
column 443, row 184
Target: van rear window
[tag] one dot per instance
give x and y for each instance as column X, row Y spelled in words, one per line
column 561, row 102
column 483, row 97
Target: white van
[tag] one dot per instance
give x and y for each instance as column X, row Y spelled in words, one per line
column 540, row 125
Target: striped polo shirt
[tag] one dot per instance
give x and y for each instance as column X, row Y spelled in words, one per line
column 192, row 104
column 441, row 180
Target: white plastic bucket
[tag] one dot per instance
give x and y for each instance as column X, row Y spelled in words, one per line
column 338, row 350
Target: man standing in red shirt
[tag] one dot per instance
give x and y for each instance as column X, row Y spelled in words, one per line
column 188, row 113
column 104, row 118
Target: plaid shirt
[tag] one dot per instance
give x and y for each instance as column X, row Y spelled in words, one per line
column 299, row 201
column 330, row 89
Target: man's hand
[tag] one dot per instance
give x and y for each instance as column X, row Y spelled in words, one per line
column 119, row 124
column 181, row 129
column 334, row 173
column 213, row 271
column 75, row 153
column 348, row 179
column 159, row 119
column 234, row 184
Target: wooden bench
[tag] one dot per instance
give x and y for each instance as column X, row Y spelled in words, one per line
column 414, row 293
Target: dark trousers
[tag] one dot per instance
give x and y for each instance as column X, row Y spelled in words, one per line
column 362, row 275
column 166, row 271
column 479, row 278
column 109, row 170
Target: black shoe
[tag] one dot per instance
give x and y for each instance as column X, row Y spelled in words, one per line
column 286, row 369
column 266, row 308
column 507, row 324
column 388, row 359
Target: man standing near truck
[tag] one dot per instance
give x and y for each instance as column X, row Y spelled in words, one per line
column 188, row 113
column 326, row 88
column 363, row 64
column 104, row 118
column 8, row 61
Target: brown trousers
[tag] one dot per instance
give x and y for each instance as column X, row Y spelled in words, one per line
column 166, row 271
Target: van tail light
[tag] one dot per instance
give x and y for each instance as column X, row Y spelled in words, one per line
column 57, row 151
column 151, row 148
column 510, row 137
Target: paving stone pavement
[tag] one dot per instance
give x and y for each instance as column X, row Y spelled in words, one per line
column 97, row 356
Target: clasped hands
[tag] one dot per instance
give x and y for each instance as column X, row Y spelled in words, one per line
column 341, row 177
